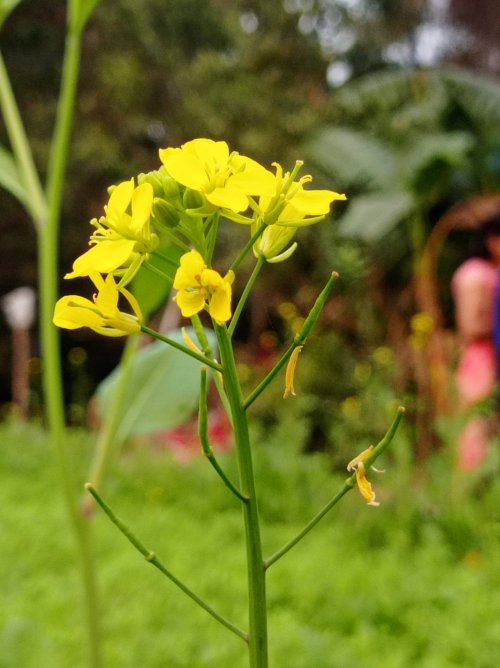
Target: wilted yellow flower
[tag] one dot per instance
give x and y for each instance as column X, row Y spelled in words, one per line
column 198, row 286
column 362, row 481
column 123, row 238
column 225, row 179
column 102, row 314
column 290, row 372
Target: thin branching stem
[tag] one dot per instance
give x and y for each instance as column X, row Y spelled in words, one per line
column 153, row 559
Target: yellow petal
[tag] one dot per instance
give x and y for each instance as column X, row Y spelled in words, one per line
column 211, row 279
column 220, row 303
column 104, row 257
column 359, row 458
column 290, row 372
column 142, row 204
column 120, row 198
column 209, row 152
column 107, row 298
column 314, row 202
column 189, row 272
column 364, row 486
column 250, row 177
column 185, row 168
column 190, row 303
column 73, row 312
column 228, row 197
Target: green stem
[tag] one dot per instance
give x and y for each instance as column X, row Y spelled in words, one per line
column 348, row 485
column 255, row 564
column 35, row 202
column 207, row 350
column 246, row 292
column 153, row 559
column 52, row 377
column 299, row 339
column 205, row 443
column 247, row 247
column 184, row 349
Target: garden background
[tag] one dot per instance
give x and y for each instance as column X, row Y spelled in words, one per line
column 394, row 103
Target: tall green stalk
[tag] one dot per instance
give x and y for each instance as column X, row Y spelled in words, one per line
column 255, row 563
column 48, row 247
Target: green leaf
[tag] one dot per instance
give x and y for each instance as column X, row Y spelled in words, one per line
column 149, row 288
column 6, row 7
column 353, row 157
column 162, row 391
column 370, row 217
column 9, row 177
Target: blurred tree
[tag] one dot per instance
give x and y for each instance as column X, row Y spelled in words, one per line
column 429, row 139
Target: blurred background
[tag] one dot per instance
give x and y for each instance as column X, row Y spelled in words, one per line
column 397, row 104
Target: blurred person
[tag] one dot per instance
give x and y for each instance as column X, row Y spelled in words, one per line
column 475, row 289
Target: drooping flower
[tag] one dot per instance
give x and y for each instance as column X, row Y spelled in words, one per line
column 198, row 286
column 290, row 372
column 364, row 485
column 225, row 179
column 123, row 237
column 102, row 313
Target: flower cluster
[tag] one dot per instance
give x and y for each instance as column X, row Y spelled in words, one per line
column 181, row 203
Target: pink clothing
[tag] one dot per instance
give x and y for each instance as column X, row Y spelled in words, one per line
column 473, row 285
column 476, row 371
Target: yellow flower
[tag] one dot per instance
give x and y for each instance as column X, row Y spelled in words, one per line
column 362, row 481
column 225, row 179
column 290, row 372
column 292, row 205
column 198, row 286
column 102, row 314
column 123, row 238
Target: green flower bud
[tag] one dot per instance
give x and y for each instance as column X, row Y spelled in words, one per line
column 192, row 199
column 170, row 187
column 153, row 178
column 165, row 213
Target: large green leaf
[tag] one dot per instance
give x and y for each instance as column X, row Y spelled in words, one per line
column 9, row 177
column 353, row 157
column 6, row 6
column 369, row 217
column 151, row 289
column 162, row 391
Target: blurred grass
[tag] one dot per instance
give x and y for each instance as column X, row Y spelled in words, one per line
column 414, row 582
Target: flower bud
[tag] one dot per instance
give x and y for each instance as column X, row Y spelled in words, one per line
column 154, row 179
column 192, row 199
column 169, row 185
column 273, row 241
column 165, row 213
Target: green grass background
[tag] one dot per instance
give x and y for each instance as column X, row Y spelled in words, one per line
column 415, row 582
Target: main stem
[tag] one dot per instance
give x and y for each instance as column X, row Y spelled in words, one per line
column 255, row 563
